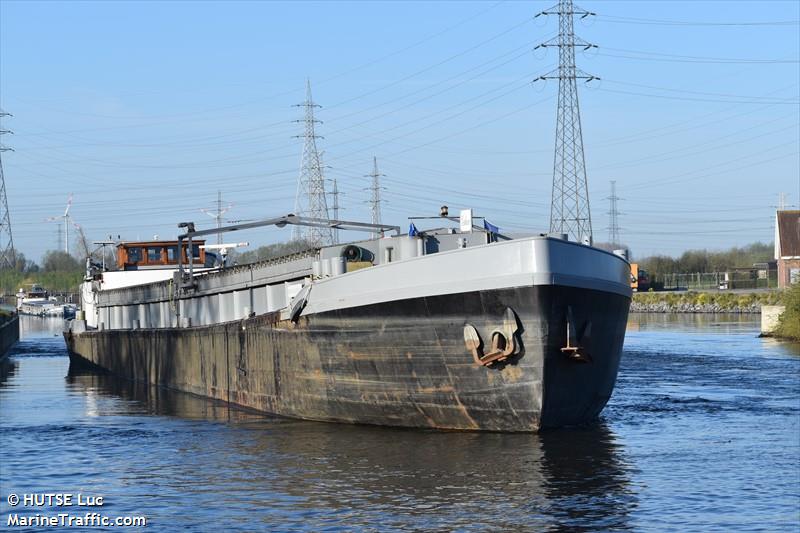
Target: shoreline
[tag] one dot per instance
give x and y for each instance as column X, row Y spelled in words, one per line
column 694, row 302
column 664, row 308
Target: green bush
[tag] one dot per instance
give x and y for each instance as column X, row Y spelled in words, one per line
column 789, row 325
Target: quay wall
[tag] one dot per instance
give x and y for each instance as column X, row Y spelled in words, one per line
column 771, row 318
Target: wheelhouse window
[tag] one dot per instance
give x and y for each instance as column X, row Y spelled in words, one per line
column 158, row 254
column 134, row 255
column 154, row 254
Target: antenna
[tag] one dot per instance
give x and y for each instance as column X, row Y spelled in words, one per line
column 569, row 208
column 217, row 215
column 8, row 255
column 375, row 189
column 613, row 213
column 311, row 200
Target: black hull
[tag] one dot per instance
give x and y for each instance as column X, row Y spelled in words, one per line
column 401, row 363
column 9, row 335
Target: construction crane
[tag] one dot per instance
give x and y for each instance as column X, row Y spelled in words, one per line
column 82, row 240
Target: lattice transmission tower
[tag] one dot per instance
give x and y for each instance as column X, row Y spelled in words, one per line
column 217, row 215
column 569, row 208
column 613, row 215
column 8, row 257
column 375, row 194
column 335, row 194
column 311, row 200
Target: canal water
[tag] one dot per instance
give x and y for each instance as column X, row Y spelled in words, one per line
column 702, row 433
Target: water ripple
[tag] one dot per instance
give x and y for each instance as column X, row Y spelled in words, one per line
column 703, row 432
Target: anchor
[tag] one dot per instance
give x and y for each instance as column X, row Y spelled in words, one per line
column 577, row 353
column 504, row 341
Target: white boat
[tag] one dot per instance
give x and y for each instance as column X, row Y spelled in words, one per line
column 36, row 301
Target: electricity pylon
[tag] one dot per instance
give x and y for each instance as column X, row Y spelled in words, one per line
column 569, row 208
column 613, row 214
column 217, row 215
column 335, row 194
column 375, row 194
column 8, row 257
column 310, row 200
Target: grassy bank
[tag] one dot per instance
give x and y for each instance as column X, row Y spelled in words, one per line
column 704, row 302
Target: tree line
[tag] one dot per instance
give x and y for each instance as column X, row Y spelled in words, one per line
column 692, row 261
column 58, row 272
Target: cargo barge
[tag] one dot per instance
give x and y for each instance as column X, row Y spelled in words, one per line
column 443, row 328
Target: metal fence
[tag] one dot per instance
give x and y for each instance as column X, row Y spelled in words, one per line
column 716, row 280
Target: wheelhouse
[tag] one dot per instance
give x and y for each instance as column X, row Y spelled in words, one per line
column 157, row 254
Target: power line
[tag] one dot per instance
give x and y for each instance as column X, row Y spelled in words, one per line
column 433, row 66
column 689, row 59
column 765, row 99
column 661, row 22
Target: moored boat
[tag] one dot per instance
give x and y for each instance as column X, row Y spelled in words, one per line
column 36, row 301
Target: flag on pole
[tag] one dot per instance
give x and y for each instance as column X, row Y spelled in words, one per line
column 491, row 228
column 412, row 230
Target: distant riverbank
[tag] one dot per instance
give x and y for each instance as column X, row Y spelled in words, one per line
column 703, row 302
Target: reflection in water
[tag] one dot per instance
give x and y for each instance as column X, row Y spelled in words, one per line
column 8, row 367
column 694, row 322
column 672, row 330
column 40, row 327
column 560, row 480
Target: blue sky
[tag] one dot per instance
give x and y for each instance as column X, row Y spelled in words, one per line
column 143, row 110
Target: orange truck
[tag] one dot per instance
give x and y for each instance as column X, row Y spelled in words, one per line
column 640, row 279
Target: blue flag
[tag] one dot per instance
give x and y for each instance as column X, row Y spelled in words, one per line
column 412, row 230
column 491, row 228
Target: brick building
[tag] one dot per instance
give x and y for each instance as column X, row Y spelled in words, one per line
column 787, row 247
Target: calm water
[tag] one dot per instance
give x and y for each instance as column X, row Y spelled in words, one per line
column 702, row 433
